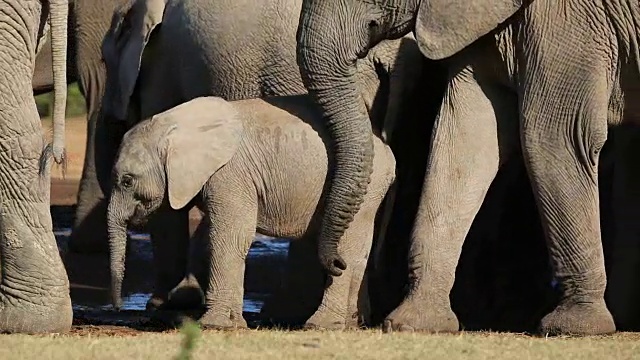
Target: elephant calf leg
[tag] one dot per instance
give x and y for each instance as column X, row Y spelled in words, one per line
column 230, row 238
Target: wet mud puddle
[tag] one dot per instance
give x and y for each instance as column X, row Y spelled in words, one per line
column 89, row 278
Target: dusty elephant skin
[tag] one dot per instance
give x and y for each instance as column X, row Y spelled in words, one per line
column 35, row 289
column 331, row 36
column 233, row 155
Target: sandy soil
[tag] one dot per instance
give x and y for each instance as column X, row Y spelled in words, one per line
column 371, row 344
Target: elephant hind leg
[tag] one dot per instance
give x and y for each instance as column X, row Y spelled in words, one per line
column 473, row 135
column 562, row 135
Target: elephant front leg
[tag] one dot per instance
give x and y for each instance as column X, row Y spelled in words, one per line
column 232, row 226
column 564, row 127
column 170, row 239
column 473, row 134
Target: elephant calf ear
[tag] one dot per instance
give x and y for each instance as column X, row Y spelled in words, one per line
column 444, row 27
column 204, row 134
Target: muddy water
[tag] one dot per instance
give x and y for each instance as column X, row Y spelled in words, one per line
column 89, row 275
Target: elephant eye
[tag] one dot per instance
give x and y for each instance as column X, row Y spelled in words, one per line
column 126, row 181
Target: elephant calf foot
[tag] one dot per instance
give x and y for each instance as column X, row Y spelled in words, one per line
column 156, row 302
column 222, row 321
column 182, row 297
column 325, row 320
column 578, row 319
column 411, row 317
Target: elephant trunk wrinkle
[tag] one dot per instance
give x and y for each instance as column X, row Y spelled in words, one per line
column 328, row 74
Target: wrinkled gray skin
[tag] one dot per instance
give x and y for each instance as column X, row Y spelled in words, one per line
column 237, row 155
column 527, row 68
column 187, row 61
column 34, row 295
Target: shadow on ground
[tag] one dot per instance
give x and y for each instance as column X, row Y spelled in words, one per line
column 89, row 278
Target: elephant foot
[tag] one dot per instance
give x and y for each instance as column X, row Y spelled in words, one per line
column 218, row 321
column 156, row 302
column 325, row 320
column 354, row 322
column 409, row 317
column 578, row 319
column 28, row 318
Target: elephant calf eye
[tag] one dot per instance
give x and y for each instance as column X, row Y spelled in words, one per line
column 126, row 181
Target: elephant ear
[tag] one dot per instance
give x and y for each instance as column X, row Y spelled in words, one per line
column 203, row 136
column 444, row 27
column 131, row 27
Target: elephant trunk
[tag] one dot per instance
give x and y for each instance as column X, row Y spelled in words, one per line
column 117, row 230
column 59, row 13
column 328, row 73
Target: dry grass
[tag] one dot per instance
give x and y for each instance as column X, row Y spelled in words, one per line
column 372, row 344
column 75, row 143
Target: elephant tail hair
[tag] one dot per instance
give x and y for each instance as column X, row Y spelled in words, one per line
column 49, row 152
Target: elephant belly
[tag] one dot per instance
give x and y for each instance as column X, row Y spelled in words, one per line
column 231, row 53
column 291, row 218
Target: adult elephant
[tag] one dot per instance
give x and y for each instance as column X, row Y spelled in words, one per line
column 529, row 64
column 34, row 292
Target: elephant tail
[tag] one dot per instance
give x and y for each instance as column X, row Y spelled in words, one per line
column 59, row 14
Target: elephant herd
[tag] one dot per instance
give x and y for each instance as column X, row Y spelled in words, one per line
column 442, row 164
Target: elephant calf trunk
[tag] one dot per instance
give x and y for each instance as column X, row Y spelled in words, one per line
column 117, row 248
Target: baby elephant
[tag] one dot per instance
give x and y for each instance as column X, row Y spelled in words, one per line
column 250, row 165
